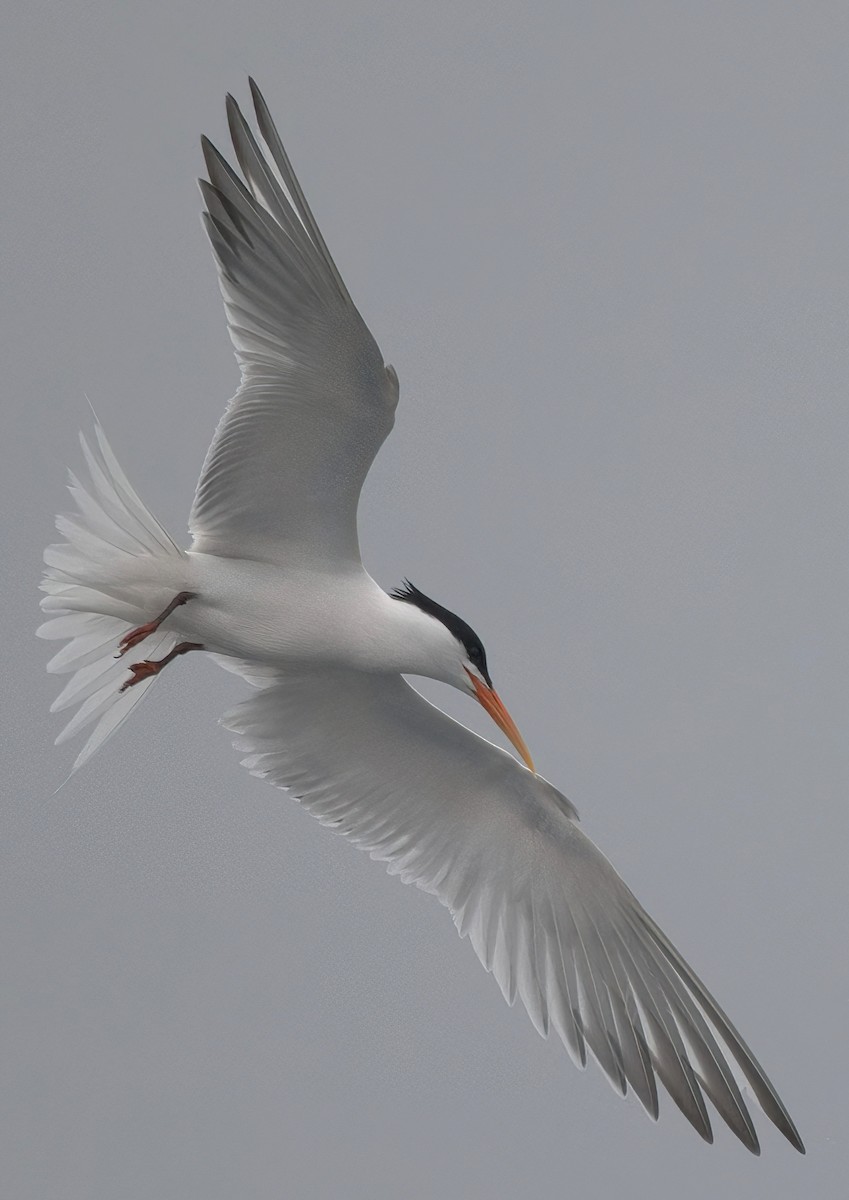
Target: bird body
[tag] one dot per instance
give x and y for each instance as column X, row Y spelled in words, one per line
column 274, row 588
column 308, row 616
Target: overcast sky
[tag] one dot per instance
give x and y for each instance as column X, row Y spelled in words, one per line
column 605, row 246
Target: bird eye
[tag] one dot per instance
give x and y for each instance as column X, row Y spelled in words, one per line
column 475, row 654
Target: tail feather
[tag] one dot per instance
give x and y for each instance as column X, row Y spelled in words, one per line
column 118, row 567
column 118, row 497
column 85, row 647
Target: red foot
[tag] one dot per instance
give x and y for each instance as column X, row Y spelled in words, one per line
column 135, row 636
column 141, row 670
column 146, row 668
column 139, row 634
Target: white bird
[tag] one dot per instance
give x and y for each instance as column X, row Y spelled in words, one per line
column 274, row 587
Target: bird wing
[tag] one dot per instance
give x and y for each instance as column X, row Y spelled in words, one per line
column 545, row 911
column 283, row 475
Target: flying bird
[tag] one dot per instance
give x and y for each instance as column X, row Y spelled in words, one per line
column 273, row 587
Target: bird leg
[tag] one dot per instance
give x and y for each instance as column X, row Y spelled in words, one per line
column 142, row 631
column 148, row 668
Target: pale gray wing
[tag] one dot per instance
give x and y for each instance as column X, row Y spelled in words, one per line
column 282, row 478
column 543, row 908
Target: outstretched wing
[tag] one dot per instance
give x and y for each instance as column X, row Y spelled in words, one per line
column 543, row 908
column 282, row 478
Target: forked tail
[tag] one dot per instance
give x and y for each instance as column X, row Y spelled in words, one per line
column 117, row 568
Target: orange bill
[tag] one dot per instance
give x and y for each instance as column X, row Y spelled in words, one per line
column 491, row 701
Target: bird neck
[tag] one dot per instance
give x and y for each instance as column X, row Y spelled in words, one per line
column 417, row 643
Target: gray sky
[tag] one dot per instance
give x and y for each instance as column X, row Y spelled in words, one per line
column 605, row 247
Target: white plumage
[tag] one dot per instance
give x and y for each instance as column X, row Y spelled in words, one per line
column 273, row 586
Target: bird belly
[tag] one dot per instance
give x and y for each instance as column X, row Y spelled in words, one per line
column 262, row 612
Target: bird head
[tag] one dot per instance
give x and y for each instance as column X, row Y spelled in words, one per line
column 463, row 664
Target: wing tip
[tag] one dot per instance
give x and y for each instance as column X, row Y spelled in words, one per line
column 792, row 1134
column 234, row 114
column 257, row 96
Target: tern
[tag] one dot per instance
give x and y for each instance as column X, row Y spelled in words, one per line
column 274, row 588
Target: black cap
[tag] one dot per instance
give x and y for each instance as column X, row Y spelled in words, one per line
column 464, row 633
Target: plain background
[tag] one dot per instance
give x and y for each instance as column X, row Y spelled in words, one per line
column 605, row 246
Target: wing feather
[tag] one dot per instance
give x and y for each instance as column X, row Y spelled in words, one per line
column 282, row 478
column 545, row 911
